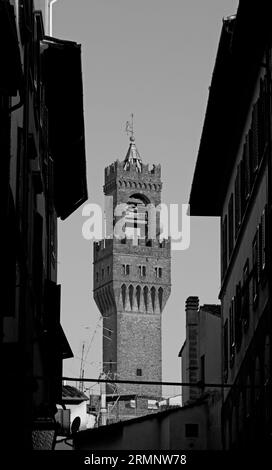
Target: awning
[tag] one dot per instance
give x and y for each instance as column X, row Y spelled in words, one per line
column 10, row 62
column 64, row 345
column 62, row 76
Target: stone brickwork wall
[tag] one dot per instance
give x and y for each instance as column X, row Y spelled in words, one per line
column 139, row 347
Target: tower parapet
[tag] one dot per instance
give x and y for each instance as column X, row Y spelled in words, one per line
column 117, row 171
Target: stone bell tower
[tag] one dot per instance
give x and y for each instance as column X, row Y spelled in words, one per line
column 132, row 279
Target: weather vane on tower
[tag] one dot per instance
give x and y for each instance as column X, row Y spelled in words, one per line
column 129, row 128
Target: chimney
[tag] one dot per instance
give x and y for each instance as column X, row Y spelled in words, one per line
column 192, row 339
column 191, row 309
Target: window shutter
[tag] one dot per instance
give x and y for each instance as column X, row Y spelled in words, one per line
column 245, row 303
column 232, row 332
column 255, row 268
column 238, row 317
column 230, row 215
column 258, row 251
column 266, row 99
column 226, row 348
column 264, row 239
column 261, row 120
column 247, row 168
column 255, row 142
column 224, row 245
column 237, row 201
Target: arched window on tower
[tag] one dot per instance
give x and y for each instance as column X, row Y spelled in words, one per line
column 130, row 293
column 146, row 297
column 138, row 296
column 136, row 218
column 153, row 297
column 124, row 292
column 160, row 297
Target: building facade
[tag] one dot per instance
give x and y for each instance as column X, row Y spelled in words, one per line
column 201, row 365
column 42, row 129
column 132, row 280
column 201, row 351
column 240, row 194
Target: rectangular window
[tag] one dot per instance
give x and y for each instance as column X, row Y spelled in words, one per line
column 247, row 169
column 245, row 293
column 191, row 430
column 139, row 372
column 261, row 120
column 264, row 239
column 230, row 216
column 224, row 246
column 226, row 349
column 142, row 270
column 108, row 270
column 158, row 272
column 103, row 273
column 255, row 140
column 242, row 189
column 238, row 316
column 255, row 269
column 125, row 269
column 202, row 370
column 52, row 243
column 237, row 201
column 250, row 157
column 21, row 180
column 232, row 331
column 37, row 267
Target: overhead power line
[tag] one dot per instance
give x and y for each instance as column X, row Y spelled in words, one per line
column 148, row 382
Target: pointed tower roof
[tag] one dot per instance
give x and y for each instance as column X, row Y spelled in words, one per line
column 133, row 155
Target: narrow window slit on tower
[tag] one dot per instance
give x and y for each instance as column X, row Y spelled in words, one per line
column 146, row 297
column 124, row 292
column 130, row 291
column 153, row 295
column 138, row 296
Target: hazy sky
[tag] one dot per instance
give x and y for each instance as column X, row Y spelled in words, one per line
column 154, row 58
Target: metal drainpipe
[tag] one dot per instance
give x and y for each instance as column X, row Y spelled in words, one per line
column 24, row 311
column 51, row 3
column 269, row 189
